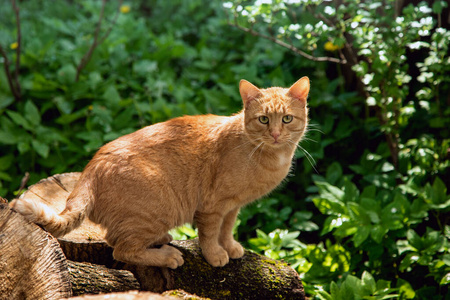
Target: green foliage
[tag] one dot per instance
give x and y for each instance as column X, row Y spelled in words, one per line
column 369, row 220
column 380, row 196
column 355, row 288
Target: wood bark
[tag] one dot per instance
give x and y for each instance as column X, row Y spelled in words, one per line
column 92, row 268
column 87, row 278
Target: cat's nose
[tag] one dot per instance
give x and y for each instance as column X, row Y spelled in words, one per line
column 275, row 135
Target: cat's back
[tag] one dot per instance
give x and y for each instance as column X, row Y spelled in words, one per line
column 183, row 131
column 180, row 142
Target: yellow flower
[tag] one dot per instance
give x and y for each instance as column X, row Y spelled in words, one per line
column 125, row 9
column 14, row 45
column 329, row 46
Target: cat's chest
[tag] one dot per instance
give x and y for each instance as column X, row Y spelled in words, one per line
column 263, row 178
column 283, row 160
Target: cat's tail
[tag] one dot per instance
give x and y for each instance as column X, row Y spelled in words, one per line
column 57, row 224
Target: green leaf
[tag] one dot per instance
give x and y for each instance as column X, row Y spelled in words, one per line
column 322, row 295
column 4, row 176
column 409, row 259
column 414, row 239
column 6, row 161
column 112, row 96
column 32, row 113
column 358, row 213
column 405, row 289
column 350, row 288
column 378, row 232
column 438, row 194
column 372, row 208
column 330, row 206
column 445, row 280
column 351, row 192
column 19, row 119
column 362, row 233
column 334, row 290
column 368, row 282
column 369, row 192
column 41, row 148
column 67, row 74
column 23, row 147
column 334, row 173
column 145, row 67
column 329, row 191
column 5, row 101
column 438, row 6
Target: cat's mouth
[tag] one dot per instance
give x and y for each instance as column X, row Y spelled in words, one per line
column 276, row 142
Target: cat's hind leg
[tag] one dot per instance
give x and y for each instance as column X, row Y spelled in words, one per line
column 137, row 250
column 166, row 256
column 167, row 238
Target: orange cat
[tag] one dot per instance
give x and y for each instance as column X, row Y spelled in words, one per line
column 198, row 169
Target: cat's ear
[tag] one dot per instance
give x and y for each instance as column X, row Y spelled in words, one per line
column 248, row 91
column 300, row 89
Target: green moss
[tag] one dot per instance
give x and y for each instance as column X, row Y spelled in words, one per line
column 224, row 293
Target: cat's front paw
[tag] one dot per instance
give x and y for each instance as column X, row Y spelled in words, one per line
column 234, row 249
column 216, row 257
column 174, row 258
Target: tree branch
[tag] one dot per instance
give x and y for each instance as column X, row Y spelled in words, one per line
column 108, row 31
column 13, row 82
column 8, row 73
column 18, row 50
column 97, row 39
column 287, row 46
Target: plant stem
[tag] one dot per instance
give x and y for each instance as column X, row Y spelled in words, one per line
column 97, row 39
column 18, row 50
column 8, row 74
column 286, row 45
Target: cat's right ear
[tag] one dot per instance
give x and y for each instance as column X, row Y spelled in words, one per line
column 248, row 92
column 300, row 89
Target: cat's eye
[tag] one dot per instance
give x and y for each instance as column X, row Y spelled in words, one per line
column 263, row 119
column 287, row 119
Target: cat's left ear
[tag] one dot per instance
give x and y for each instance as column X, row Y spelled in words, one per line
column 300, row 89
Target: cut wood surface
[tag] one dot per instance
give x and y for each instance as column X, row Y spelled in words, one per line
column 251, row 277
column 32, row 265
column 53, row 191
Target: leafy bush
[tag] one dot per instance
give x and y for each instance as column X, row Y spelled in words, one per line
column 369, row 220
column 382, row 203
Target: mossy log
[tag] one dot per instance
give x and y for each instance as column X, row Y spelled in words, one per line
column 251, row 277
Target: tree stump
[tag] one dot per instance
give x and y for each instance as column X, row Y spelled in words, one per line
column 32, row 265
column 251, row 277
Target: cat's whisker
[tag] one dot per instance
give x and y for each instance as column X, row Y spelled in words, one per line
column 254, row 150
column 243, row 144
column 308, row 128
column 260, row 153
column 308, row 156
column 304, row 138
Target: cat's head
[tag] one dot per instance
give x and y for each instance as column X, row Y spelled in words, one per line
column 275, row 116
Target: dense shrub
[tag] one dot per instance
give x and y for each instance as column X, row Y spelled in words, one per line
column 364, row 215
